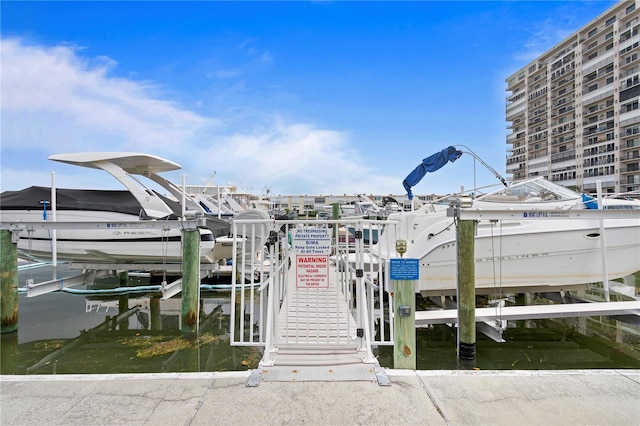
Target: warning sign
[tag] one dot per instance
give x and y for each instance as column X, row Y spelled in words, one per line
column 312, row 271
column 312, row 246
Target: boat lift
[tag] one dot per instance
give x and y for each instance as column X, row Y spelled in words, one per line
column 95, row 270
column 487, row 319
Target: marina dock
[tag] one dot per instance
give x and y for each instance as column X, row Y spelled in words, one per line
column 570, row 397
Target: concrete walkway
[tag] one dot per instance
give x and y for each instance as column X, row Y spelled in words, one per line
column 578, row 397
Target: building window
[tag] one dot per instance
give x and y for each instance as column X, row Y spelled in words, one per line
column 631, row 106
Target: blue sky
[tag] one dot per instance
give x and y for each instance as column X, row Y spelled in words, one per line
column 298, row 97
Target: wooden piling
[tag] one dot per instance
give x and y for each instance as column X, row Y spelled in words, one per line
column 190, row 279
column 156, row 313
column 8, row 282
column 404, row 326
column 466, row 290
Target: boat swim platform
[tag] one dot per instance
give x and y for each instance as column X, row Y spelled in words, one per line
column 317, row 340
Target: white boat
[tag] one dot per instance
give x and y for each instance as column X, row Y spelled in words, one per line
column 115, row 244
column 519, row 255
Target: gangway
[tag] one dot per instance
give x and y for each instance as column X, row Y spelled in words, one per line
column 312, row 329
column 317, row 338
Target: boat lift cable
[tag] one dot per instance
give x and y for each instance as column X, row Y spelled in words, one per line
column 488, row 167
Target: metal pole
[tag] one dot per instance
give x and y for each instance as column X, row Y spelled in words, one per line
column 8, row 282
column 54, row 231
column 603, row 246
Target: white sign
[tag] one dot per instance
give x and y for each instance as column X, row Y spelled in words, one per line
column 312, row 240
column 312, row 246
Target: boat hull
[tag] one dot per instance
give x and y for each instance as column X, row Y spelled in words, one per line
column 525, row 256
column 114, row 245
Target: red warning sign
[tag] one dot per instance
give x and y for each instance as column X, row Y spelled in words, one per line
column 312, row 271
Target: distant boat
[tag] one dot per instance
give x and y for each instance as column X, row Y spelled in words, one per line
column 116, row 243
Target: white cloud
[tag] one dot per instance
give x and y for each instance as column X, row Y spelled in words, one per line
column 294, row 158
column 55, row 101
column 50, row 95
column 546, row 34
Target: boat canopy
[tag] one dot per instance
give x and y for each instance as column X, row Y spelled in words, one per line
column 131, row 162
column 430, row 164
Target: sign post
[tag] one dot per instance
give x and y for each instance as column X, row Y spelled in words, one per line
column 404, row 273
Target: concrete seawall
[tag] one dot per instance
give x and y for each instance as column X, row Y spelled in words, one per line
column 566, row 397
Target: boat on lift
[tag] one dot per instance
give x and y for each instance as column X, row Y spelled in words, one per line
column 521, row 255
column 118, row 243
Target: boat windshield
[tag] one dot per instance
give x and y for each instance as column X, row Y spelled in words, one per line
column 531, row 191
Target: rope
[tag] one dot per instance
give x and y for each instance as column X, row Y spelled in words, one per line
column 440, row 232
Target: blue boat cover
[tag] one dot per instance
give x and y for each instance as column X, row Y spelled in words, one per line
column 430, row 164
column 589, row 202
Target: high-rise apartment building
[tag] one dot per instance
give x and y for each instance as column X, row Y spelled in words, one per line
column 573, row 112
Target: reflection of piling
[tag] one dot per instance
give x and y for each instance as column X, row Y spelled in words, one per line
column 466, row 290
column 156, row 313
column 190, row 279
column 9, row 358
column 109, row 323
column 8, row 282
column 123, row 300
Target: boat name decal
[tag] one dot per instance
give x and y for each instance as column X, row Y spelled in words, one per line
column 511, row 257
column 537, row 214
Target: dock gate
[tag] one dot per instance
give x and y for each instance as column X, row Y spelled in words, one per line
column 310, row 294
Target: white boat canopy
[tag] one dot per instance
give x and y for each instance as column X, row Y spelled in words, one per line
column 122, row 165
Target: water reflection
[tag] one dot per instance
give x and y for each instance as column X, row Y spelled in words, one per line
column 71, row 334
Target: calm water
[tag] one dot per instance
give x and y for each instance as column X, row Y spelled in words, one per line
column 57, row 335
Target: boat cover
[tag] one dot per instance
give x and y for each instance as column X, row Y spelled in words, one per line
column 120, row 201
column 430, row 164
column 70, row 199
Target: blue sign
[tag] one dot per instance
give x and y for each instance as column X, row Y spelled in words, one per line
column 404, row 269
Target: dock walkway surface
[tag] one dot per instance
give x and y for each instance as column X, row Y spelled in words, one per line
column 568, row 397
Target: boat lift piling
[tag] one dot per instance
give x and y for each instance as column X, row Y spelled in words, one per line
column 156, row 313
column 190, row 280
column 466, row 290
column 8, row 281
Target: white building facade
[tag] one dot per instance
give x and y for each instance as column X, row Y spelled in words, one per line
column 573, row 112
